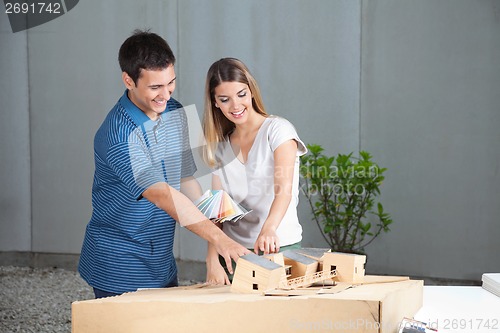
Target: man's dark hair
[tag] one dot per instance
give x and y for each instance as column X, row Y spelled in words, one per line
column 144, row 50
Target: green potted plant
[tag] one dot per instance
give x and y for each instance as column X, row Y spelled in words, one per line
column 341, row 192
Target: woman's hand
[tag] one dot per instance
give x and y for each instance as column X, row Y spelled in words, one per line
column 267, row 242
column 216, row 275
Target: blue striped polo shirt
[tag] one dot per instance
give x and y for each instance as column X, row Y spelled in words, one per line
column 128, row 241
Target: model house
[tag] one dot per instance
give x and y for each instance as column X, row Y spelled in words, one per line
column 296, row 269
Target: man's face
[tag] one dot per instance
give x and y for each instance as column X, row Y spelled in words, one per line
column 152, row 90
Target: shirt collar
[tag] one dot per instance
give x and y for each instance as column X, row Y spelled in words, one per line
column 137, row 115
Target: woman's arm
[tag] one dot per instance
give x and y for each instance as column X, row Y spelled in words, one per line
column 191, row 188
column 284, row 163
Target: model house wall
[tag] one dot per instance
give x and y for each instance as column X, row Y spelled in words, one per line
column 350, row 267
column 300, row 264
column 276, row 258
column 280, row 260
column 256, row 274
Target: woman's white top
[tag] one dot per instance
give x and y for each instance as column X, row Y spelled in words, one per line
column 252, row 183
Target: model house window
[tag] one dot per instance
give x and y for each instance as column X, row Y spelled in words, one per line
column 288, row 271
column 356, row 270
column 253, row 273
column 333, row 268
column 255, row 286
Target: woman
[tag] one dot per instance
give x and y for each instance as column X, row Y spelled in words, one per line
column 256, row 161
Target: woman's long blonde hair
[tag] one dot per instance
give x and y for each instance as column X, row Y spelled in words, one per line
column 215, row 125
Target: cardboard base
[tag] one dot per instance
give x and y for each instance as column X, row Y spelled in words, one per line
column 366, row 308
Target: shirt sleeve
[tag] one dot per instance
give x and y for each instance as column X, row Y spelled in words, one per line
column 280, row 131
column 216, row 172
column 131, row 163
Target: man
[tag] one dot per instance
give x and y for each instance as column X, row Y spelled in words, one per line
column 143, row 165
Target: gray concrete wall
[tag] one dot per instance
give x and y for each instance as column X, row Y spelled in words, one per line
column 430, row 113
column 15, row 196
column 414, row 82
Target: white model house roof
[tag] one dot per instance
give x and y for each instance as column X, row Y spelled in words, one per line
column 312, row 252
column 356, row 256
column 261, row 261
column 290, row 254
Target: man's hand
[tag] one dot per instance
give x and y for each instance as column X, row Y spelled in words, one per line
column 224, row 245
column 229, row 249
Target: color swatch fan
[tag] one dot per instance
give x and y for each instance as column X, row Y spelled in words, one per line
column 219, row 207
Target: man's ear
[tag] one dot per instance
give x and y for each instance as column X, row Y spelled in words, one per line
column 127, row 81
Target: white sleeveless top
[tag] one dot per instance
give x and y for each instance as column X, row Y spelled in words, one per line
column 252, row 183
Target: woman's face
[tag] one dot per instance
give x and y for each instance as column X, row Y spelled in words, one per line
column 234, row 99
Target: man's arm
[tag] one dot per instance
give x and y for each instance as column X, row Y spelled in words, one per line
column 215, row 271
column 185, row 212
